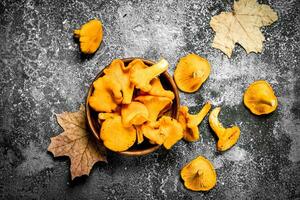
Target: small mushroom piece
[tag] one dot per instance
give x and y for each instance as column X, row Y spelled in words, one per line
column 191, row 122
column 166, row 131
column 134, row 113
column 154, row 105
column 227, row 136
column 90, row 36
column 115, row 136
column 259, row 98
column 191, row 72
column 199, row 175
column 141, row 77
column 158, row 90
column 106, row 95
column 120, row 73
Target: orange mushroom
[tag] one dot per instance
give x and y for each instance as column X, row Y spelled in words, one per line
column 139, row 134
column 166, row 131
column 121, row 74
column 90, row 36
column 199, row 175
column 260, row 98
column 191, row 122
column 154, row 105
column 134, row 113
column 191, row 72
column 115, row 136
column 106, row 95
column 158, row 90
column 227, row 136
column 141, row 77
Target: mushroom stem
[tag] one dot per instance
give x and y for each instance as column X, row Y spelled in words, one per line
column 199, row 173
column 157, row 68
column 195, row 120
column 198, row 74
column 215, row 124
column 265, row 100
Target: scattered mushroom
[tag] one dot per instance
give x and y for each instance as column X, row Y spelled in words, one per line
column 227, row 136
column 199, row 175
column 154, row 105
column 141, row 77
column 158, row 90
column 191, row 72
column 134, row 113
column 190, row 122
column 115, row 136
column 90, row 36
column 260, row 98
column 120, row 73
column 106, row 95
column 166, row 131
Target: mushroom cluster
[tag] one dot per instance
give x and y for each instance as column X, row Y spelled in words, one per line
column 132, row 105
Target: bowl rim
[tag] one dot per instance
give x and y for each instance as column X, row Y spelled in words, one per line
column 138, row 152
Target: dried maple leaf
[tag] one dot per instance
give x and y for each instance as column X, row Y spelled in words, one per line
column 76, row 143
column 242, row 26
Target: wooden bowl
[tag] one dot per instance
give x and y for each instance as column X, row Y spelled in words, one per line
column 144, row 148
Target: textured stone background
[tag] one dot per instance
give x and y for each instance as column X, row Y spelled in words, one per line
column 43, row 73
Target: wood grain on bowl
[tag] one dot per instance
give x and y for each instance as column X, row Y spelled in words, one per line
column 145, row 147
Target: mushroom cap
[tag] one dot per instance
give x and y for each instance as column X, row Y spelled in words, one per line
column 191, row 72
column 115, row 136
column 106, row 95
column 90, row 36
column 151, row 131
column 228, row 139
column 154, row 105
column 199, row 175
column 158, row 90
column 166, row 131
column 134, row 113
column 121, row 74
column 227, row 136
column 171, row 129
column 259, row 98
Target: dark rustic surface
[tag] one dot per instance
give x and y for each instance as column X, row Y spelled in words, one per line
column 43, row 73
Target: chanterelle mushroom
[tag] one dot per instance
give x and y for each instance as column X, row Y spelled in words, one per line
column 120, row 73
column 134, row 113
column 158, row 90
column 199, row 175
column 191, row 72
column 154, row 105
column 106, row 95
column 90, row 36
column 190, row 122
column 227, row 136
column 166, row 131
column 260, row 98
column 115, row 136
column 141, row 77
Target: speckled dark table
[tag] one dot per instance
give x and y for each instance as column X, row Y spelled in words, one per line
column 43, row 73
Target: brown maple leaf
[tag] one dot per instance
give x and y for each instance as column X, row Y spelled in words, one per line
column 242, row 26
column 76, row 143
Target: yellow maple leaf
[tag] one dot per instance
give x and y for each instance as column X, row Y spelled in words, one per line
column 76, row 143
column 242, row 26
